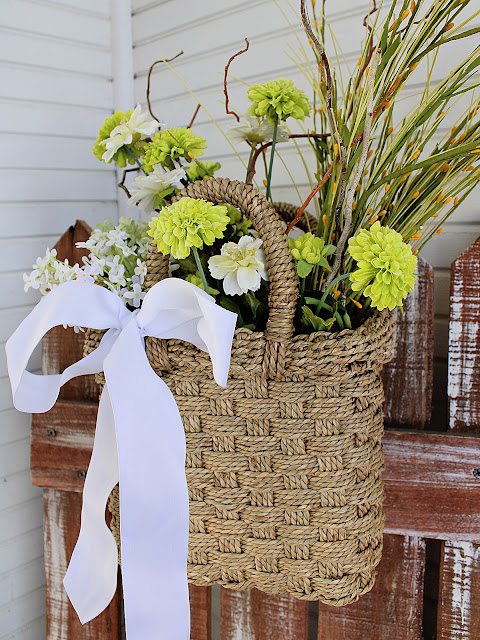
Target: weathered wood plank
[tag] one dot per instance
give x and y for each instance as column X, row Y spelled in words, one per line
column 408, row 378
column 464, row 341
column 254, row 615
column 61, row 527
column 431, row 487
column 380, row 614
column 459, row 605
column 459, row 597
column 200, row 612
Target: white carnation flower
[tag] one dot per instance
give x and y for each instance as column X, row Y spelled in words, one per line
column 256, row 131
column 148, row 187
column 241, row 266
column 124, row 132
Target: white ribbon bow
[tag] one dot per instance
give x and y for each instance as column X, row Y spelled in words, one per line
column 139, row 442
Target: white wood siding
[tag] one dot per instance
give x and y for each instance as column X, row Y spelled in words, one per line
column 209, row 32
column 56, row 89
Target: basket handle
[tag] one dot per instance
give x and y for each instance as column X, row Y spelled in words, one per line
column 283, row 281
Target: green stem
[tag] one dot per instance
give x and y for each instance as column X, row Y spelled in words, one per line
column 200, row 270
column 137, row 161
column 330, row 287
column 272, row 154
column 302, row 295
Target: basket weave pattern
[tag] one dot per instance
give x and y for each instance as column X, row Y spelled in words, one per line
column 284, row 464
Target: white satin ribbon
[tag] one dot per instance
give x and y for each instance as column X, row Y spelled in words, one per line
column 139, row 442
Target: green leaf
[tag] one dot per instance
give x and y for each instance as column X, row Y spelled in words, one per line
column 254, row 304
column 329, row 250
column 304, row 268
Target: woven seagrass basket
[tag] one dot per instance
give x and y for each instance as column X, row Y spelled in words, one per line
column 284, row 464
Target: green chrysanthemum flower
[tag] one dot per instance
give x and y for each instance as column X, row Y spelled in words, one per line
column 121, row 157
column 195, row 279
column 188, row 223
column 308, row 251
column 238, row 221
column 201, row 170
column 278, row 99
column 169, row 145
column 385, row 264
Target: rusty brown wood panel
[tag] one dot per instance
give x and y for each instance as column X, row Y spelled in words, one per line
column 254, row 615
column 200, row 612
column 459, row 605
column 61, row 527
column 459, row 597
column 431, row 489
column 408, row 402
column 464, row 341
column 408, row 378
column 380, row 614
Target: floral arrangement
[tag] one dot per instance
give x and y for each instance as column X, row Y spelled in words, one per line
column 381, row 187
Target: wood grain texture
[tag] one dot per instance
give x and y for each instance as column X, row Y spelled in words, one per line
column 464, row 341
column 408, row 378
column 431, row 489
column 200, row 612
column 254, row 615
column 459, row 597
column 459, row 605
column 61, row 527
column 382, row 613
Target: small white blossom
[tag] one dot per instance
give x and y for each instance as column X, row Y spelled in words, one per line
column 124, row 133
column 241, row 266
column 256, row 131
column 148, row 187
column 140, row 270
column 135, row 296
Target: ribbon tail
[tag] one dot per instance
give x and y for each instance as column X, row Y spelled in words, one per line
column 153, row 494
column 91, row 578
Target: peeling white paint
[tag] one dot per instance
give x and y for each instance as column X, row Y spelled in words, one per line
column 465, row 557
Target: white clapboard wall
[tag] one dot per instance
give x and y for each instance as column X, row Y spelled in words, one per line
column 55, row 90
column 209, row 32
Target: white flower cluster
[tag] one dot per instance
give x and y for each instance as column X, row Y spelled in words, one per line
column 117, row 260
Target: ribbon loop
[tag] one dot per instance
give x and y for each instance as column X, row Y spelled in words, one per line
column 139, row 442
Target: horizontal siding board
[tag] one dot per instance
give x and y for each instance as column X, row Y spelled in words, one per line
column 20, row 612
column 10, row 319
column 11, row 284
column 52, row 218
column 56, row 21
column 22, row 150
column 48, row 118
column 21, row 550
column 34, row 630
column 35, row 362
column 58, row 87
column 28, row 578
column 21, row 519
column 30, row 185
column 15, row 425
column 24, row 48
column 15, row 457
column 14, row 490
column 96, row 7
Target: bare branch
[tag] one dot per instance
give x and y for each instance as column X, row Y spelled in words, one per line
column 149, row 78
column 315, row 190
column 121, row 184
column 190, row 124
column 258, row 150
column 225, row 90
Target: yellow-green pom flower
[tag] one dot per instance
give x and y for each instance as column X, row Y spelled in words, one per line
column 188, row 223
column 385, row 264
column 195, row 279
column 308, row 251
column 278, row 99
column 169, row 145
column 201, row 170
column 122, row 156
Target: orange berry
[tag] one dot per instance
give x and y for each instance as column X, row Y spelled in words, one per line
column 449, row 26
column 415, row 155
column 265, row 183
column 324, row 220
column 440, row 197
column 389, row 130
column 416, row 194
column 445, row 167
column 439, row 231
column 356, row 303
column 416, row 252
column 455, row 202
column 372, row 220
column 449, row 199
column 405, row 14
column 416, row 236
column 369, row 154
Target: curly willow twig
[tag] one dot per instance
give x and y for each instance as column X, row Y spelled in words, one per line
column 225, row 90
column 149, row 78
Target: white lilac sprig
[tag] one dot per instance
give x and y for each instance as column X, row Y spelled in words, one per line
column 116, row 260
